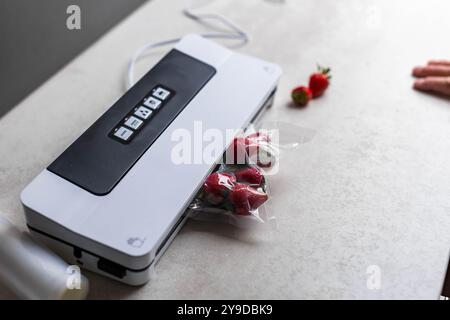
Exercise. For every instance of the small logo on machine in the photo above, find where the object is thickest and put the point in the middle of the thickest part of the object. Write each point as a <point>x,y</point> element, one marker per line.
<point>136,242</point>
<point>268,69</point>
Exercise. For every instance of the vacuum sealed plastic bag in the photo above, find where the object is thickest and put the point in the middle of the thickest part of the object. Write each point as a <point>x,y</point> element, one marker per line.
<point>234,194</point>
<point>237,192</point>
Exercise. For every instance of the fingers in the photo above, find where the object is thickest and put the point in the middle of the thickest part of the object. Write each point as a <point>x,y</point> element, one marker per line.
<point>438,70</point>
<point>439,62</point>
<point>434,77</point>
<point>434,84</point>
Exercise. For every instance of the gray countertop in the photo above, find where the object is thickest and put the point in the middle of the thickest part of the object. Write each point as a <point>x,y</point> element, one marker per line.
<point>371,189</point>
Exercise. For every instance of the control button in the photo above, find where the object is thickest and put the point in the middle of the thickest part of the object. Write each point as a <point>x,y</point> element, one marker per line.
<point>143,112</point>
<point>134,123</point>
<point>152,103</point>
<point>161,93</point>
<point>123,133</point>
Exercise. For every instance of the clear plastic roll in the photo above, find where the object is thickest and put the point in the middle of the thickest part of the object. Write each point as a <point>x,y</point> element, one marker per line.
<point>33,272</point>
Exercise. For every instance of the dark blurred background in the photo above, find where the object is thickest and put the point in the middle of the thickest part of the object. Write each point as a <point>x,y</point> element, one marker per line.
<point>35,42</point>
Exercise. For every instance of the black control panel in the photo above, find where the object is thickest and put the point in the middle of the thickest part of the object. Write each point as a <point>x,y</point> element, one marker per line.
<point>141,114</point>
<point>105,152</point>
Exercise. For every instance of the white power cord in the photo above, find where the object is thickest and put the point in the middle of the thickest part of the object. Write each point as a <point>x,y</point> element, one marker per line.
<point>234,33</point>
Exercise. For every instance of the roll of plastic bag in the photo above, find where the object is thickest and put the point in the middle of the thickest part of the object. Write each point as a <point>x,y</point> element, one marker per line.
<point>33,272</point>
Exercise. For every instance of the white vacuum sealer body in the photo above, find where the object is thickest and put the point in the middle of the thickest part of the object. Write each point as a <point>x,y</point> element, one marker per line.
<point>115,214</point>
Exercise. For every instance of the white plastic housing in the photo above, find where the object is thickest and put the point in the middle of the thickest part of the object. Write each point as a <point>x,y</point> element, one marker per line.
<point>147,203</point>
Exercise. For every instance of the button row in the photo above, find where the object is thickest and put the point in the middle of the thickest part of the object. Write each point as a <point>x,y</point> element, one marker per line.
<point>135,120</point>
<point>134,123</point>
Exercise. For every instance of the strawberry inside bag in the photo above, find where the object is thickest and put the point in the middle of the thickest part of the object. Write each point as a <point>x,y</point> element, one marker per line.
<point>233,194</point>
<point>237,191</point>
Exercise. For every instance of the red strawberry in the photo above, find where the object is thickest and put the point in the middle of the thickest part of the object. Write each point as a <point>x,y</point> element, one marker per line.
<point>241,148</point>
<point>301,95</point>
<point>217,186</point>
<point>258,149</point>
<point>250,175</point>
<point>319,81</point>
<point>246,199</point>
<point>264,158</point>
<point>237,152</point>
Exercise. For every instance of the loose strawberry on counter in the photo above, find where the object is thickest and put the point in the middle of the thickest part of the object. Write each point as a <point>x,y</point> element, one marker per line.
<point>319,81</point>
<point>217,186</point>
<point>301,95</point>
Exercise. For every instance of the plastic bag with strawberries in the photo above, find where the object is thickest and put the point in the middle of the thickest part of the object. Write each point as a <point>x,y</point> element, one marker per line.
<point>237,192</point>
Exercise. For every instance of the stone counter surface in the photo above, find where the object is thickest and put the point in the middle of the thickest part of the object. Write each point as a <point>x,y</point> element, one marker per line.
<point>371,189</point>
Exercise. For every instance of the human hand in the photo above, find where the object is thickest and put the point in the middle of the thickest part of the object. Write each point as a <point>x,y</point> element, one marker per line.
<point>434,77</point>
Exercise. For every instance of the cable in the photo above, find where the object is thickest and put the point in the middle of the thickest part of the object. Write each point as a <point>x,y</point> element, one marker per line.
<point>234,33</point>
